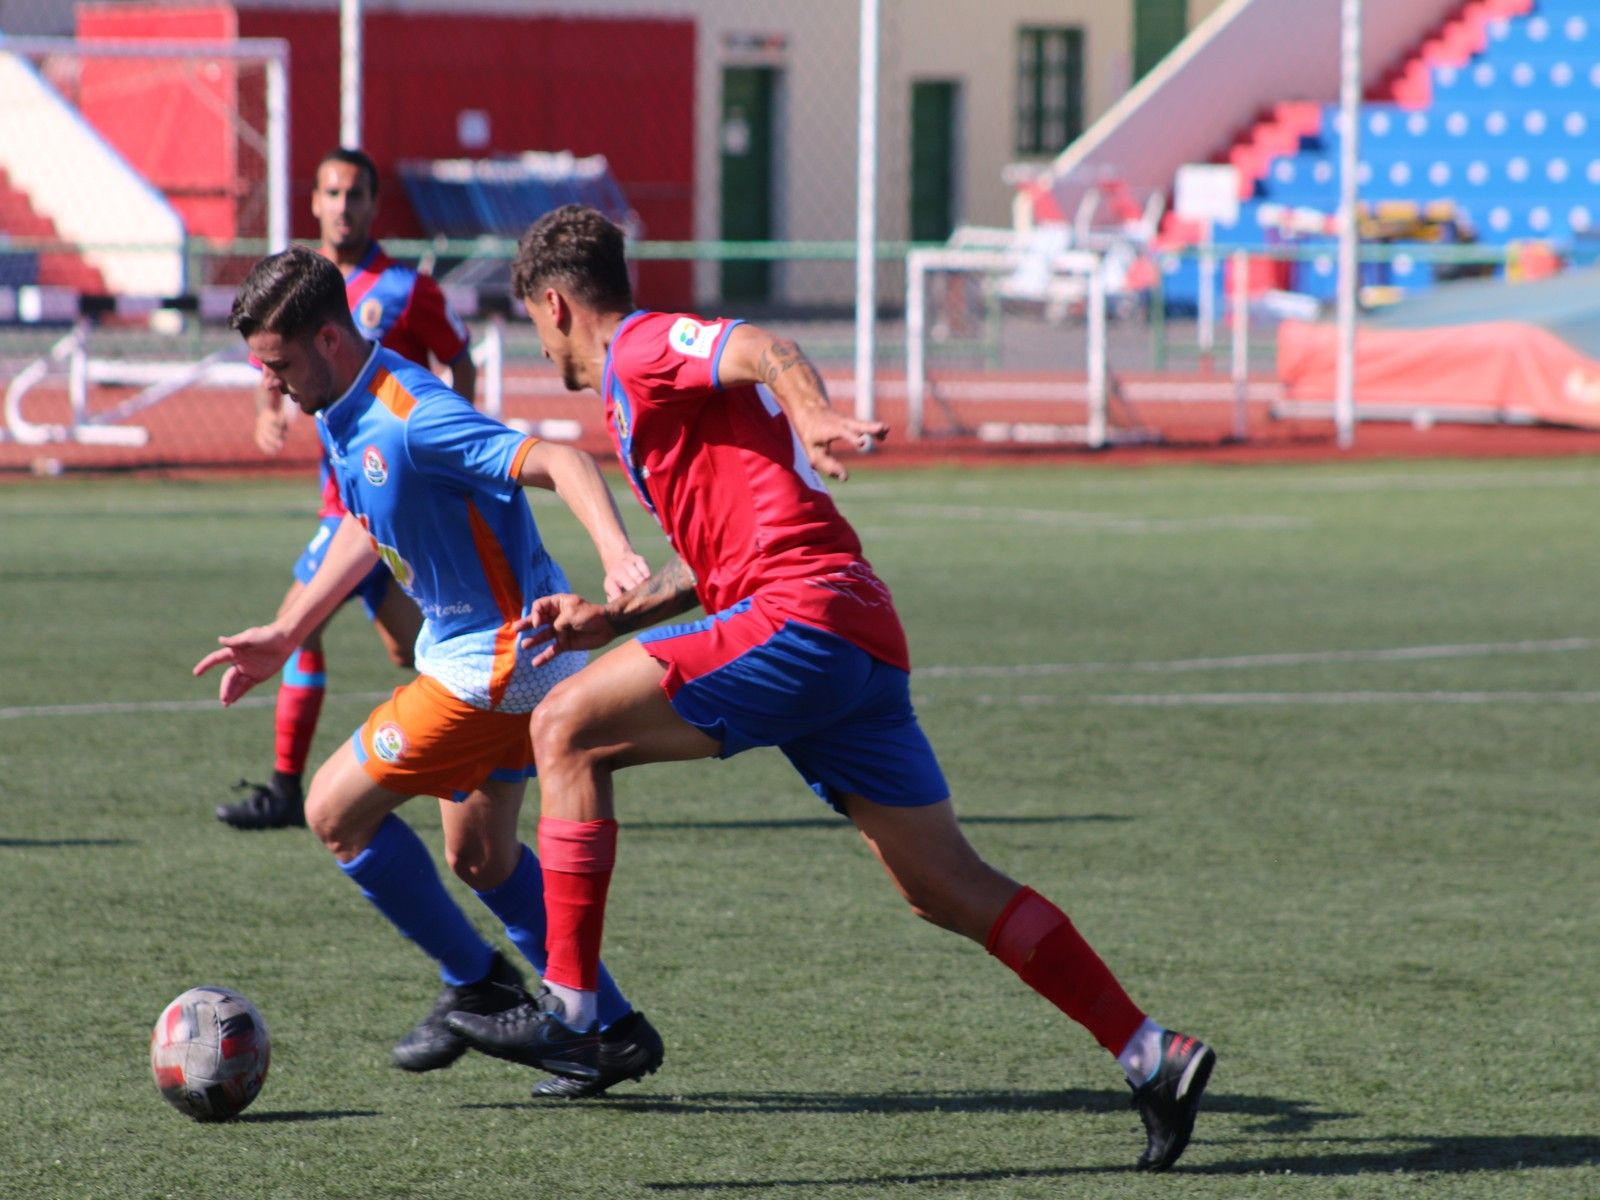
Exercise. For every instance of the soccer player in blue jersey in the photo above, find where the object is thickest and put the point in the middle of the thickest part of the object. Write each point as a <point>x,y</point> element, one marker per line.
<point>404,310</point>
<point>433,490</point>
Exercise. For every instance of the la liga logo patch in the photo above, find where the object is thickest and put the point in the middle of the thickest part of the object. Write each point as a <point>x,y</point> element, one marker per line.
<point>389,742</point>
<point>691,338</point>
<point>374,467</point>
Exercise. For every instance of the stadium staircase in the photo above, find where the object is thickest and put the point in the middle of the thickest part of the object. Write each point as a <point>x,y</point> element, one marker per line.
<point>91,197</point>
<point>51,268</point>
<point>1489,124</point>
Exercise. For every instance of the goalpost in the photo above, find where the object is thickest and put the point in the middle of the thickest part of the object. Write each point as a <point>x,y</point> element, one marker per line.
<point>131,153</point>
<point>1061,286</point>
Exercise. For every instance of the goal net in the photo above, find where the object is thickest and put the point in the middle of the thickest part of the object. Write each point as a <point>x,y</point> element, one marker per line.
<point>1007,342</point>
<point>139,179</point>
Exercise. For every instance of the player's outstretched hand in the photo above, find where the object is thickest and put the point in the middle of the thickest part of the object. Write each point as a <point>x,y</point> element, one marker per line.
<point>820,427</point>
<point>564,622</point>
<point>251,657</point>
<point>625,573</point>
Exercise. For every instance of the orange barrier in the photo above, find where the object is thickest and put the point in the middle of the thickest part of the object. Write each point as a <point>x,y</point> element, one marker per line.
<point>1498,370</point>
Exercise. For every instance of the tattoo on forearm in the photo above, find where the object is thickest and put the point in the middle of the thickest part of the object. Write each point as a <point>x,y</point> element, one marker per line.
<point>666,593</point>
<point>781,357</point>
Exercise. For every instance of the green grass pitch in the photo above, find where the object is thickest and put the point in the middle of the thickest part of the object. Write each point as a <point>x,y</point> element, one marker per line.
<point>1309,754</point>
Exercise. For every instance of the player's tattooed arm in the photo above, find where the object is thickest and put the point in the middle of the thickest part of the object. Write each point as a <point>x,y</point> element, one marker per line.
<point>666,593</point>
<point>556,624</point>
<point>783,358</point>
<point>752,355</point>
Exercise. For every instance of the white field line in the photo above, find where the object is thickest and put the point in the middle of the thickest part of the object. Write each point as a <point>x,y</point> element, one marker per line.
<point>1268,480</point>
<point>1238,662</point>
<point>111,708</point>
<point>1157,666</point>
<point>1277,699</point>
<point>1098,521</point>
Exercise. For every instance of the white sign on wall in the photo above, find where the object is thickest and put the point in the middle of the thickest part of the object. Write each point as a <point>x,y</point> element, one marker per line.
<point>1207,192</point>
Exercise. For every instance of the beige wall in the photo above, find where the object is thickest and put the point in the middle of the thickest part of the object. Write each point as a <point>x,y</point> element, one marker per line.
<point>962,40</point>
<point>968,41</point>
<point>976,44</point>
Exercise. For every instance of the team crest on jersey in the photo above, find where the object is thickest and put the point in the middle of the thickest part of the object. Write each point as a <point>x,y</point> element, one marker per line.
<point>373,466</point>
<point>370,312</point>
<point>689,337</point>
<point>389,742</point>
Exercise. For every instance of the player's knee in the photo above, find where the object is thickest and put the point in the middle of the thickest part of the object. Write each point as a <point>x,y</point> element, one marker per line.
<point>323,817</point>
<point>556,726</point>
<point>475,864</point>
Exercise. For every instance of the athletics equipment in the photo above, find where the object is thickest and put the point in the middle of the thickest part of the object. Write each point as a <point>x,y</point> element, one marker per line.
<point>209,1053</point>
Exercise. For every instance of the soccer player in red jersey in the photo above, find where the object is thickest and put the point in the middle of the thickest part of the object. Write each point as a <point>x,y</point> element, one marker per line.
<point>724,431</point>
<point>405,311</point>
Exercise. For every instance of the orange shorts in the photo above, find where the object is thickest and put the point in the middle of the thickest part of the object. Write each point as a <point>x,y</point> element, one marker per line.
<point>423,741</point>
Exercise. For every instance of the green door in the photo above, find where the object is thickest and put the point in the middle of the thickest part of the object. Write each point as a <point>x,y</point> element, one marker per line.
<point>747,174</point>
<point>1158,26</point>
<point>934,104</point>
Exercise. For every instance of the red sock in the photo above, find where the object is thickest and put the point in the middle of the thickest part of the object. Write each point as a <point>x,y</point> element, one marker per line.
<point>577,857</point>
<point>1036,940</point>
<point>304,683</point>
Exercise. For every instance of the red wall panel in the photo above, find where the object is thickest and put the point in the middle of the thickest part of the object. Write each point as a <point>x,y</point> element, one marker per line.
<point>169,118</point>
<point>619,87</point>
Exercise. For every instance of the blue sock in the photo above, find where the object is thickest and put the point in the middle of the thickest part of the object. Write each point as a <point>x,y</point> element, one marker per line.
<point>519,903</point>
<point>396,873</point>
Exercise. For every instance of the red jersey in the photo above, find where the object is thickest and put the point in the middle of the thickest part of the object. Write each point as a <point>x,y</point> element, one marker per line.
<point>404,310</point>
<point>731,486</point>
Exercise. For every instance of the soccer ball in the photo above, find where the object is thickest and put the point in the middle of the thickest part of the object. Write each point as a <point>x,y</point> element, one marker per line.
<point>209,1052</point>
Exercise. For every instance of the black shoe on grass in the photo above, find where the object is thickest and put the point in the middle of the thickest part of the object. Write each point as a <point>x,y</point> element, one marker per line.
<point>532,1034</point>
<point>276,805</point>
<point>629,1049</point>
<point>1167,1101</point>
<point>431,1045</point>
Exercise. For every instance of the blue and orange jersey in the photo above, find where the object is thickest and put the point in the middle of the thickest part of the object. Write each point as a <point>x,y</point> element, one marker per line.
<point>403,310</point>
<point>434,483</point>
<point>727,479</point>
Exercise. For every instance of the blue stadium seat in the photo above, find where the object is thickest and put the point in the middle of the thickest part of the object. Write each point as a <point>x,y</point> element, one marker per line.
<point>18,268</point>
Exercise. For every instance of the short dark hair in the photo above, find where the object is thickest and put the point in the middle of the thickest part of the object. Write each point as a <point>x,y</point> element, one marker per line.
<point>292,293</point>
<point>578,250</point>
<point>355,158</point>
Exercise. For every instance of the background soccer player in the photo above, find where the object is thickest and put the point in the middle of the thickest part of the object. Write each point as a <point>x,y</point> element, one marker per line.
<point>406,312</point>
<point>433,488</point>
<point>722,429</point>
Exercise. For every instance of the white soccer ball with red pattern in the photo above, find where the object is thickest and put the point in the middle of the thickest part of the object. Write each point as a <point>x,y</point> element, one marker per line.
<point>209,1052</point>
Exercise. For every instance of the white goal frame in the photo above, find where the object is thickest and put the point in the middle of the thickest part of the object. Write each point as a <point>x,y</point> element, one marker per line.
<point>273,53</point>
<point>1080,270</point>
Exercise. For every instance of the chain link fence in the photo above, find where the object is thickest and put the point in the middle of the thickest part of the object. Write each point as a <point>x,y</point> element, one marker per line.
<point>729,127</point>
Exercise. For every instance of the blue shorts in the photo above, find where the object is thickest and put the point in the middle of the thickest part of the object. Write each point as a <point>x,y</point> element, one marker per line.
<point>841,716</point>
<point>372,588</point>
